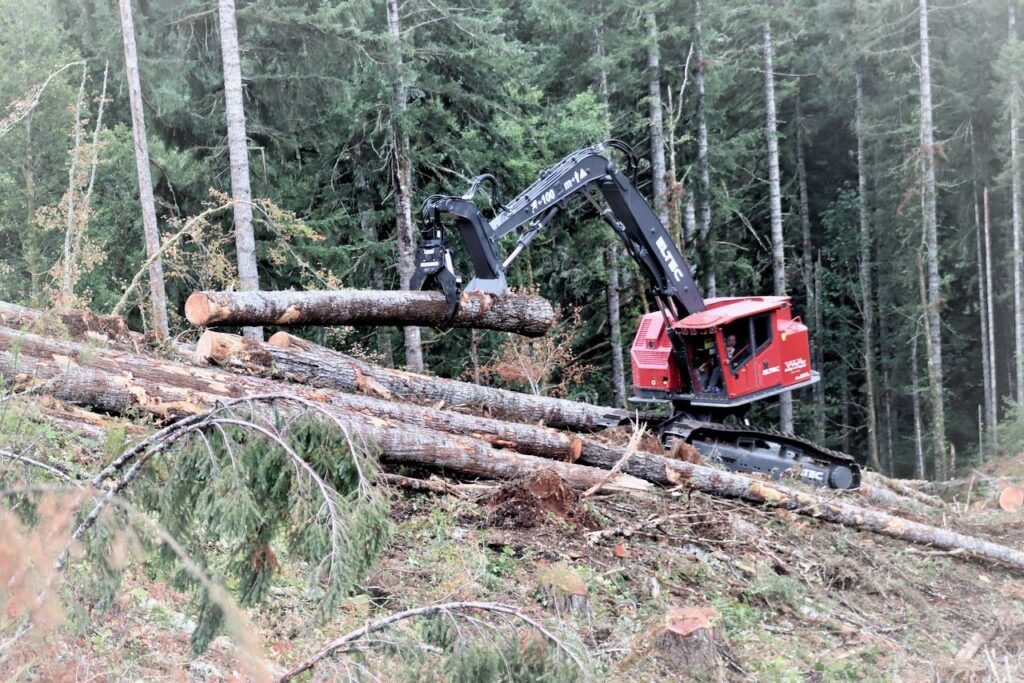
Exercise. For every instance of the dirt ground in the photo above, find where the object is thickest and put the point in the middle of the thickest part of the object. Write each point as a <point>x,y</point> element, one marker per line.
<point>791,598</point>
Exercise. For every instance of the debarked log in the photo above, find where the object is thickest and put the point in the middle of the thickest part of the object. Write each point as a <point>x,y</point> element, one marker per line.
<point>524,314</point>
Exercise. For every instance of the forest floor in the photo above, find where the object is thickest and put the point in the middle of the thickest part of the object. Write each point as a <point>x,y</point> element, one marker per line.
<point>795,599</point>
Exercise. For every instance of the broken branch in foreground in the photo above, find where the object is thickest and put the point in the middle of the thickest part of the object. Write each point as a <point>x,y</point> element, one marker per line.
<point>524,314</point>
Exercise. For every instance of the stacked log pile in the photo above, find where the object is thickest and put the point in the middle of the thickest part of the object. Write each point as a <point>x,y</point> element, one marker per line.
<point>462,429</point>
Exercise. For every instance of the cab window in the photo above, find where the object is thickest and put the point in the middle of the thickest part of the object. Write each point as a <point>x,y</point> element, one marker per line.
<point>762,325</point>
<point>737,342</point>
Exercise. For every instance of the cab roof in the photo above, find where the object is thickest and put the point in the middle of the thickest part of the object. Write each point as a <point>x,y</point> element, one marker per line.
<point>724,310</point>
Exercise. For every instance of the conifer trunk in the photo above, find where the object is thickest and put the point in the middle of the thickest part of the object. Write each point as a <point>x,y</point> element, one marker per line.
<point>775,201</point>
<point>369,228</point>
<point>615,326</point>
<point>656,123</point>
<point>866,289</point>
<point>818,353</point>
<point>403,181</point>
<point>238,154</point>
<point>986,352</point>
<point>931,239</point>
<point>708,255</point>
<point>157,294</point>
<point>1018,228</point>
<point>807,261</point>
<point>994,398</point>
<point>921,471</point>
<point>613,288</point>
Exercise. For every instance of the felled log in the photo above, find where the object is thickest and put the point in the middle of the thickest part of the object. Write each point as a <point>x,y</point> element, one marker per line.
<point>669,472</point>
<point>120,382</point>
<point>288,357</point>
<point>77,324</point>
<point>523,314</point>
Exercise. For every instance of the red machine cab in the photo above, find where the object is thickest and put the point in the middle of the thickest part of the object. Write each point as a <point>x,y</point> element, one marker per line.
<point>739,350</point>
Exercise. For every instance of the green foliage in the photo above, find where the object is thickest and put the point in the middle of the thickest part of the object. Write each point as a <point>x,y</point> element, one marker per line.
<point>235,500</point>
<point>491,656</point>
<point>508,89</point>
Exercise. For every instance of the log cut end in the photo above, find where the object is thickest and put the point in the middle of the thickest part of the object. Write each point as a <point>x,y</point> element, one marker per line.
<point>283,340</point>
<point>197,309</point>
<point>687,642</point>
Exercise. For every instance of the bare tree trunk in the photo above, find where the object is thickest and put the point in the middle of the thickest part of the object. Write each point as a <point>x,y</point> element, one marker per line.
<point>994,398</point>
<point>775,200</point>
<point>1018,250</point>
<point>369,228</point>
<point>915,396</point>
<point>158,297</point>
<point>238,153</point>
<point>866,289</point>
<point>67,289</point>
<point>931,238</point>
<point>612,252</point>
<point>615,326</point>
<point>818,353</point>
<point>988,422</point>
<point>656,120</point>
<point>844,412</point>
<point>94,163</point>
<point>403,182</point>
<point>708,257</point>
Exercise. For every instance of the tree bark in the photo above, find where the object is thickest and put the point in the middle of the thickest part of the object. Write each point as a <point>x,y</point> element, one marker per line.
<point>818,352</point>
<point>809,274</point>
<point>612,252</point>
<point>405,228</point>
<point>931,239</point>
<point>1018,221</point>
<point>988,377</point>
<point>157,294</point>
<point>369,228</point>
<point>528,315</point>
<point>866,288</point>
<point>307,362</point>
<point>117,382</point>
<point>775,202</point>
<point>656,124</point>
<point>238,153</point>
<point>708,257</point>
<point>921,471</point>
<point>994,399</point>
<point>615,326</point>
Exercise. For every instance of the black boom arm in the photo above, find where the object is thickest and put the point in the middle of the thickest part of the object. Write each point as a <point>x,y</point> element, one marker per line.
<point>627,212</point>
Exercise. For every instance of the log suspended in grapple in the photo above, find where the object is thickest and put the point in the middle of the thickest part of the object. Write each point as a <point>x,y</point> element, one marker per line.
<point>708,360</point>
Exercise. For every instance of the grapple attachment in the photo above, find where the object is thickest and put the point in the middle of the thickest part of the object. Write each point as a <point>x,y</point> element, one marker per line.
<point>434,267</point>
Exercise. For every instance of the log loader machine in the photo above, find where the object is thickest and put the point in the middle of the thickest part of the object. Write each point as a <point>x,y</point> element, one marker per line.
<point>708,360</point>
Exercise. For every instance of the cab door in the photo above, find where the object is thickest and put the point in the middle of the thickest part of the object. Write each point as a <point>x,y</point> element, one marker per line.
<point>767,354</point>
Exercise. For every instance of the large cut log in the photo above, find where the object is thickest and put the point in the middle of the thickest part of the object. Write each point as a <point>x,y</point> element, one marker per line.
<point>523,314</point>
<point>120,382</point>
<point>77,324</point>
<point>666,471</point>
<point>288,357</point>
<point>117,381</point>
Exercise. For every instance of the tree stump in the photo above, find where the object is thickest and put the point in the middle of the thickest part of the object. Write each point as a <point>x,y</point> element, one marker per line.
<point>687,643</point>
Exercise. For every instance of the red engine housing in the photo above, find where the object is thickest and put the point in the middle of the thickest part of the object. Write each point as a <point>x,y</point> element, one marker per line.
<point>771,353</point>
